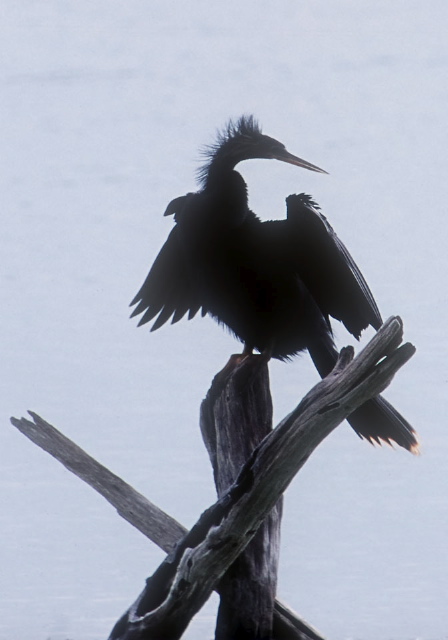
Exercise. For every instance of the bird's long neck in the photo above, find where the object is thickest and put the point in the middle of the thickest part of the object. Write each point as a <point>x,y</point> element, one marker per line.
<point>229,193</point>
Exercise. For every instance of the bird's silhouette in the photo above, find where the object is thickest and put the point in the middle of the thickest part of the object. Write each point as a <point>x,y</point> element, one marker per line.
<point>274,284</point>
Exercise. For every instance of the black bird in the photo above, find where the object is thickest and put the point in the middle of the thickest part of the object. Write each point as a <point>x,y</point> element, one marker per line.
<point>274,284</point>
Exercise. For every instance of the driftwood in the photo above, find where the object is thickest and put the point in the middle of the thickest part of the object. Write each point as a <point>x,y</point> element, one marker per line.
<point>131,505</point>
<point>197,565</point>
<point>235,417</point>
<point>183,583</point>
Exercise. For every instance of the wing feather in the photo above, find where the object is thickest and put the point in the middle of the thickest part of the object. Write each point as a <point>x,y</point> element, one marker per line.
<point>168,290</point>
<point>327,268</point>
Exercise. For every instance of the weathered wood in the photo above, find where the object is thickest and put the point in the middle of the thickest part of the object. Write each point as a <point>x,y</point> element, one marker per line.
<point>235,416</point>
<point>154,523</point>
<point>299,433</point>
<point>183,583</point>
<point>131,505</point>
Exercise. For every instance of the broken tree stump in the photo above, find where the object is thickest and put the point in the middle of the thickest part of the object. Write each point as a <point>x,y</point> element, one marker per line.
<point>235,417</point>
<point>150,520</point>
<point>199,562</point>
<point>184,581</point>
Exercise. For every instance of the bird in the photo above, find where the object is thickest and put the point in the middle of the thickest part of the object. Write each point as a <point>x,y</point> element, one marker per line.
<point>274,284</point>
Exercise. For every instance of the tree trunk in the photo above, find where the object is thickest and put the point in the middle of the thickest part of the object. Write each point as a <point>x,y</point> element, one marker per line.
<point>235,417</point>
<point>197,564</point>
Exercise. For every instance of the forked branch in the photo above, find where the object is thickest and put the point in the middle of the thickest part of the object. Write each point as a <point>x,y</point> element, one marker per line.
<point>196,564</point>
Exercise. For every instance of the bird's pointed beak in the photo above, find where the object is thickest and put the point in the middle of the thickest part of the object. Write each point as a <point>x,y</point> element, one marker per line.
<point>285,156</point>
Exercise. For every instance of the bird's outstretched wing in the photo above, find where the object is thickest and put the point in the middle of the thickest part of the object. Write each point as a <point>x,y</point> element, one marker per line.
<point>327,269</point>
<point>168,291</point>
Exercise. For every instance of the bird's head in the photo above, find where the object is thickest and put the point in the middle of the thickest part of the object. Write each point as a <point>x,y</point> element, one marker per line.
<point>244,140</point>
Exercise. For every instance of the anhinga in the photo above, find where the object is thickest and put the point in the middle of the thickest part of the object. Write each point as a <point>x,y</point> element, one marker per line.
<point>274,284</point>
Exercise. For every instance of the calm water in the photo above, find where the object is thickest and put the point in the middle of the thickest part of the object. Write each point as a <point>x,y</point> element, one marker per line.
<point>104,106</point>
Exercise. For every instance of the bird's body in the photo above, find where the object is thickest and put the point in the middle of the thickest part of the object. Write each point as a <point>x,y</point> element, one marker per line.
<point>247,279</point>
<point>274,284</point>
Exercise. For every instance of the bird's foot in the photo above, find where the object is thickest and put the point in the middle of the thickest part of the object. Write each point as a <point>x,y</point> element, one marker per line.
<point>245,366</point>
<point>234,361</point>
<point>266,354</point>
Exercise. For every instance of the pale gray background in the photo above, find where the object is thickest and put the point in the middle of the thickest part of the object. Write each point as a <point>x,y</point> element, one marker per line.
<point>104,105</point>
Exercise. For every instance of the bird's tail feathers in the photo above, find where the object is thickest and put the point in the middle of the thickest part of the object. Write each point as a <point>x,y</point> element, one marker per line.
<point>376,420</point>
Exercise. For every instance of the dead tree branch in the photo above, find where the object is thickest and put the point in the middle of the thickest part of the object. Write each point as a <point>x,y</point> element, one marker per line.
<point>185,580</point>
<point>149,519</point>
<point>131,505</point>
<point>235,417</point>
<point>196,565</point>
